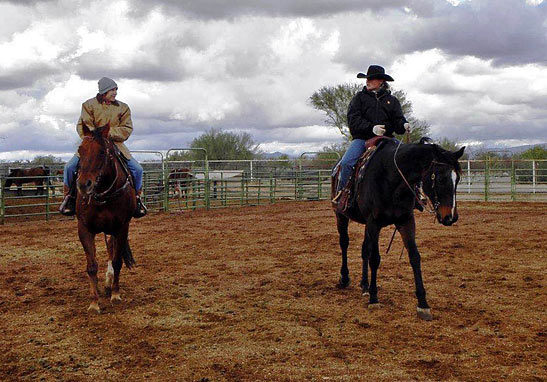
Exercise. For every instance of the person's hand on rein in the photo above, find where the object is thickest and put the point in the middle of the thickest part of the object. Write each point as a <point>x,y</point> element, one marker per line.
<point>379,129</point>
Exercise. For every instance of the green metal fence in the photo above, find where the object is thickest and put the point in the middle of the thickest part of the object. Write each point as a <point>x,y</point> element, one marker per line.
<point>503,180</point>
<point>219,184</point>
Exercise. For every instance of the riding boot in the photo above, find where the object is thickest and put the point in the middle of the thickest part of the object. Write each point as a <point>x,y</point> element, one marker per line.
<point>68,206</point>
<point>141,209</point>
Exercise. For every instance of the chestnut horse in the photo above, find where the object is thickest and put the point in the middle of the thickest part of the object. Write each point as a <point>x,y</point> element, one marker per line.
<point>105,203</point>
<point>20,176</point>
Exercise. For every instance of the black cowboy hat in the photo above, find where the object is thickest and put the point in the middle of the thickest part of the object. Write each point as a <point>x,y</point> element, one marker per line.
<point>376,72</point>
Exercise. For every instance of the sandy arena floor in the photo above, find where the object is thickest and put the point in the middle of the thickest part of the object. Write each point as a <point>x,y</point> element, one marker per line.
<point>249,295</point>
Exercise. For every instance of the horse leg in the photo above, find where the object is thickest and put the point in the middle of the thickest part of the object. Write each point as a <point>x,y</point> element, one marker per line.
<point>39,188</point>
<point>109,276</point>
<point>365,258</point>
<point>372,233</point>
<point>120,245</point>
<point>19,189</point>
<point>342,223</point>
<point>88,243</point>
<point>408,231</point>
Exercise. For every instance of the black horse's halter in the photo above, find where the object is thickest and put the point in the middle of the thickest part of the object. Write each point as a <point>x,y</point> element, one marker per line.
<point>435,202</point>
<point>425,206</point>
<point>103,197</point>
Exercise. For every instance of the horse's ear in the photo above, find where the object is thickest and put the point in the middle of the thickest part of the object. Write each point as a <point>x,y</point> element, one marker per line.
<point>85,130</point>
<point>425,141</point>
<point>105,130</point>
<point>458,154</point>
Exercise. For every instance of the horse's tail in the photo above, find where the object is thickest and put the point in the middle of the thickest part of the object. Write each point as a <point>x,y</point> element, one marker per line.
<point>127,255</point>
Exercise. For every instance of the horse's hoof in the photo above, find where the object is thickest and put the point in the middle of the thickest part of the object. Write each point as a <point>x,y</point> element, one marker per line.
<point>94,308</point>
<point>424,314</point>
<point>374,306</point>
<point>342,284</point>
<point>115,299</point>
<point>366,293</point>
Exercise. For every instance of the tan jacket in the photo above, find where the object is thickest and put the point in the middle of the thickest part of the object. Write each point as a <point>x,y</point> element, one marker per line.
<point>96,114</point>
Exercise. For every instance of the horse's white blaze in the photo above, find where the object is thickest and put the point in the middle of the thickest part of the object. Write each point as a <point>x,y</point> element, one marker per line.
<point>109,275</point>
<point>454,179</point>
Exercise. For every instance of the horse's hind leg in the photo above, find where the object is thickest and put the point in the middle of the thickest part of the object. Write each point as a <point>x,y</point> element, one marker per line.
<point>109,276</point>
<point>365,258</point>
<point>120,245</point>
<point>88,242</point>
<point>372,233</point>
<point>342,223</point>
<point>39,188</point>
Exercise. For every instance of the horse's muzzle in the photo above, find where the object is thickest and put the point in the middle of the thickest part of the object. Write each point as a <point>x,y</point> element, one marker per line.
<point>86,187</point>
<point>445,217</point>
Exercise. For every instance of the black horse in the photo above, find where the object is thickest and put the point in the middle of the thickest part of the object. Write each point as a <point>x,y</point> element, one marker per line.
<point>386,196</point>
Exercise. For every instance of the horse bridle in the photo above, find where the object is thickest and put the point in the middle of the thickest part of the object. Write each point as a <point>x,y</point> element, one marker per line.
<point>434,203</point>
<point>103,197</point>
<point>431,167</point>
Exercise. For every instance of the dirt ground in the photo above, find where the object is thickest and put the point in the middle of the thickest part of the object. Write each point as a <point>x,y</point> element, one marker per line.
<point>248,294</point>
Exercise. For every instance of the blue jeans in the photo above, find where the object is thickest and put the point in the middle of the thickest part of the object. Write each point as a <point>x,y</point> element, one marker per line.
<point>350,158</point>
<point>72,165</point>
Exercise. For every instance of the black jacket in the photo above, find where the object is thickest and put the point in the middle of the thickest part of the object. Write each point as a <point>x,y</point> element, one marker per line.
<point>368,109</point>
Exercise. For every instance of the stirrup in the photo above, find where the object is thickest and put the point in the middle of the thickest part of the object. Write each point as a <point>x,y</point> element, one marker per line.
<point>335,199</point>
<point>68,206</point>
<point>140,209</point>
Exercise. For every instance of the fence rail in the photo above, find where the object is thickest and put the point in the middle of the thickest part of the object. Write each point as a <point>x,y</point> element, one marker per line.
<point>219,184</point>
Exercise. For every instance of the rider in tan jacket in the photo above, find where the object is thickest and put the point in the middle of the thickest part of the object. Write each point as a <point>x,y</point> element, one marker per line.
<point>96,112</point>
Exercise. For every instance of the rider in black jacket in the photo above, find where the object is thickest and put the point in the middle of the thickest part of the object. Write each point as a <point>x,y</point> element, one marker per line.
<point>370,108</point>
<point>372,112</point>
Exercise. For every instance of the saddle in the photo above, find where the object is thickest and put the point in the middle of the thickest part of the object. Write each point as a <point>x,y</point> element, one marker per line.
<point>123,161</point>
<point>345,202</point>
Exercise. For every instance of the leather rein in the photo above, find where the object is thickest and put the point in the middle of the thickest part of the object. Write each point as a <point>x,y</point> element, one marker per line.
<point>109,194</point>
<point>435,203</point>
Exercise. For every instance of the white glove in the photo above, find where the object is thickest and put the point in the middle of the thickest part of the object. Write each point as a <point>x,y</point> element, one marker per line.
<point>407,127</point>
<point>379,129</point>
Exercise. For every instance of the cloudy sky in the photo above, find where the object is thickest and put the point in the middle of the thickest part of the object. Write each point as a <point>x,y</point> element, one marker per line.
<point>476,70</point>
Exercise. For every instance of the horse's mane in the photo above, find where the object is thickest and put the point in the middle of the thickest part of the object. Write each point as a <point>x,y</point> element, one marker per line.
<point>97,134</point>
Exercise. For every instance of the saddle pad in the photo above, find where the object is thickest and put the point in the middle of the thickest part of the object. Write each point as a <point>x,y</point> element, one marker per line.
<point>365,159</point>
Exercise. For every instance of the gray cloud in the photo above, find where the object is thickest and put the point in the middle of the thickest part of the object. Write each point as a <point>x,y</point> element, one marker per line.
<point>27,2</point>
<point>506,31</point>
<point>194,65</point>
<point>26,76</point>
<point>220,9</point>
<point>90,67</point>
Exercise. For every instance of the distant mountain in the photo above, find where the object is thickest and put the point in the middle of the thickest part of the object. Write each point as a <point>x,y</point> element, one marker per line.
<point>520,149</point>
<point>514,150</point>
<point>275,155</point>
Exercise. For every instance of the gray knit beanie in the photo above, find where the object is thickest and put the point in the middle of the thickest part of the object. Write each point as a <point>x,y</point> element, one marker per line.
<point>106,84</point>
